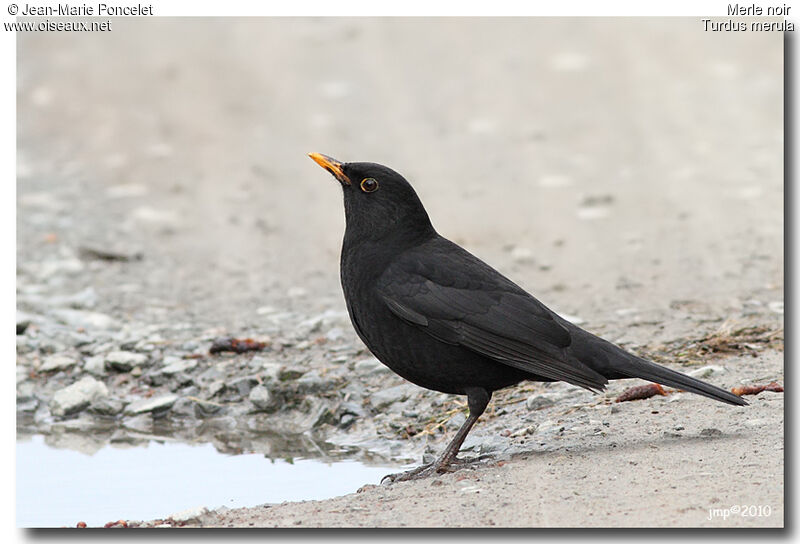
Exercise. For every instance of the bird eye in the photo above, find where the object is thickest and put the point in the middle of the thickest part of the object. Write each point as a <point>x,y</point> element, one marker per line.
<point>369,185</point>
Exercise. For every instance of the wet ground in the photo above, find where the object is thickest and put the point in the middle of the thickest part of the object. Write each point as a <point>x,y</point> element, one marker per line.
<point>165,201</point>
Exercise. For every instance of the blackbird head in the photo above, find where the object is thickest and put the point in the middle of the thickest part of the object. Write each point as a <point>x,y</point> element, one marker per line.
<point>378,202</point>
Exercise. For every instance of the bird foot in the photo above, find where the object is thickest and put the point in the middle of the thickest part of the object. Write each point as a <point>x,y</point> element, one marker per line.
<point>424,471</point>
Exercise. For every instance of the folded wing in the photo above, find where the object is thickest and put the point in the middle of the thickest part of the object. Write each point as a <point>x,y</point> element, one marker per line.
<point>483,311</point>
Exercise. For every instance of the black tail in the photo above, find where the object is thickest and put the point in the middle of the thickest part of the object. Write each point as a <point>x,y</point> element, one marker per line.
<point>614,362</point>
<point>636,367</point>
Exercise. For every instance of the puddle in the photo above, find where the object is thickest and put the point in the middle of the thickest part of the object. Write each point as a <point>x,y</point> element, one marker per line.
<point>59,487</point>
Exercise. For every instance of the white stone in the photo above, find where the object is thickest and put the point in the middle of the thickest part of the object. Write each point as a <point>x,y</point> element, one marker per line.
<point>189,514</point>
<point>56,362</point>
<point>706,371</point>
<point>77,396</point>
<point>151,405</point>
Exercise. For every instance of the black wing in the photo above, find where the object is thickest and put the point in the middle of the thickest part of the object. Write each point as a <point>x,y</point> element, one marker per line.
<point>457,298</point>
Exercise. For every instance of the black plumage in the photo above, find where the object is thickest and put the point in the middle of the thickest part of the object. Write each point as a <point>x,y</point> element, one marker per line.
<point>443,319</point>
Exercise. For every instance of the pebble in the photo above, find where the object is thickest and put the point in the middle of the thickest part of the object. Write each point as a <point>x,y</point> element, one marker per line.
<point>76,397</point>
<point>174,365</point>
<point>549,427</point>
<point>522,255</point>
<point>776,306</point>
<point>313,382</point>
<point>243,385</point>
<point>334,334</point>
<point>23,321</point>
<point>204,408</point>
<point>290,373</point>
<point>106,407</point>
<point>481,444</point>
<point>215,388</point>
<point>85,319</point>
<point>370,367</point>
<point>262,399</point>
<point>537,402</point>
<point>296,292</point>
<point>456,421</point>
<point>385,397</point>
<point>185,516</point>
<point>156,404</point>
<point>95,365</point>
<point>155,217</point>
<point>270,371</point>
<point>80,300</point>
<point>53,363</point>
<point>706,371</point>
<point>524,431</point>
<point>124,361</point>
<point>756,422</point>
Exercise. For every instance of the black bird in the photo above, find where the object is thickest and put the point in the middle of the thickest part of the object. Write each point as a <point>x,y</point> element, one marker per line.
<point>443,319</point>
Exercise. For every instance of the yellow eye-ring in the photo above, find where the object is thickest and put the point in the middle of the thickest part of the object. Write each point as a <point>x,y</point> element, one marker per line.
<point>369,185</point>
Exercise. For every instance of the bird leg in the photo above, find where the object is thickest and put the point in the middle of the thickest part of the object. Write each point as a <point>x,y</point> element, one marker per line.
<point>477,400</point>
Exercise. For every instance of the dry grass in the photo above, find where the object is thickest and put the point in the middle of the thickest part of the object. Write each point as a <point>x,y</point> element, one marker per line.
<point>731,338</point>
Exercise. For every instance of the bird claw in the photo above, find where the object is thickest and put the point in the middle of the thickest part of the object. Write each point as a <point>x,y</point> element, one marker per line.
<point>424,471</point>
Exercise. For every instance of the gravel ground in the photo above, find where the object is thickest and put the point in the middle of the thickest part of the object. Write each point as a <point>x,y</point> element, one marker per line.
<point>165,202</point>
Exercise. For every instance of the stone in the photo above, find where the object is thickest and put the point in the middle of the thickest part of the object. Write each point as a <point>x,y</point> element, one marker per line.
<point>206,408</point>
<point>522,255</point>
<point>289,373</point>
<point>53,363</point>
<point>384,398</point>
<point>243,385</point>
<point>23,322</point>
<point>296,292</point>
<point>215,388</point>
<point>74,398</point>
<point>124,361</point>
<point>85,319</point>
<point>80,300</point>
<point>313,382</point>
<point>336,333</point>
<point>106,407</point>
<point>191,514</point>
<point>706,371</point>
<point>537,402</point>
<point>370,367</point>
<point>456,421</point>
<point>95,365</point>
<point>262,399</point>
<point>269,371</point>
<point>156,404</point>
<point>174,365</point>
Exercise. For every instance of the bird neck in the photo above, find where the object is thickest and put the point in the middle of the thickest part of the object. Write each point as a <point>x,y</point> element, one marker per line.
<point>400,234</point>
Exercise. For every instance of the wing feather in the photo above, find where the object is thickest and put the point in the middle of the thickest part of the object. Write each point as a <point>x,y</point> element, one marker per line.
<point>483,311</point>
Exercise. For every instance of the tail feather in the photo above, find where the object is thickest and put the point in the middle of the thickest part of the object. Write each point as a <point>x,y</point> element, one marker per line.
<point>613,362</point>
<point>637,367</point>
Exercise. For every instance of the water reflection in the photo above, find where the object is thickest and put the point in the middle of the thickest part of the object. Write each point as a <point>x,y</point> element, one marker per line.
<point>100,479</point>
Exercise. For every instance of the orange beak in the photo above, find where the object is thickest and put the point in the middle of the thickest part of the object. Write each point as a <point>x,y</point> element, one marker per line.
<point>331,165</point>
